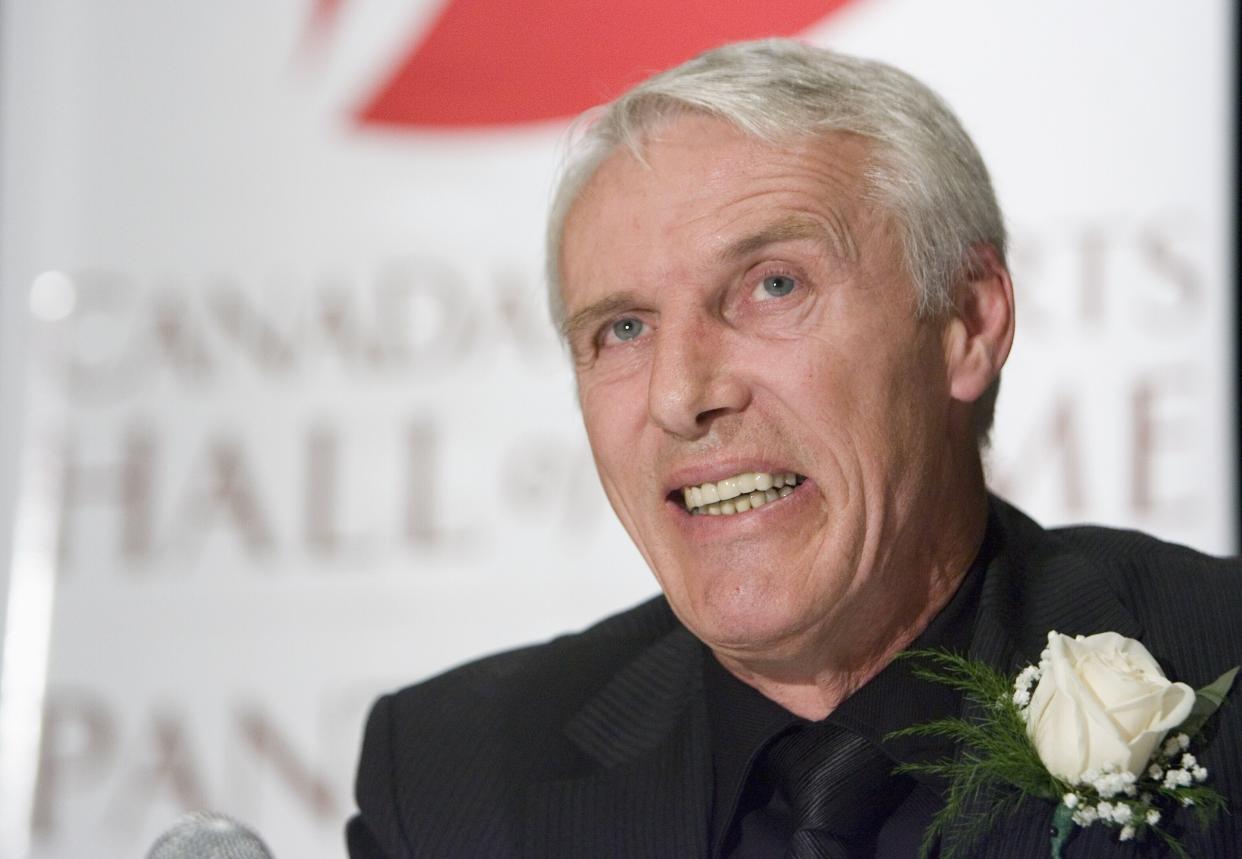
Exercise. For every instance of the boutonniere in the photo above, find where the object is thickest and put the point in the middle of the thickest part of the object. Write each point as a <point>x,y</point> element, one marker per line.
<point>1095,728</point>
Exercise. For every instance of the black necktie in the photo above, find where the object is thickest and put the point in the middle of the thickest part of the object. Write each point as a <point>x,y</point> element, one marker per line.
<point>839,786</point>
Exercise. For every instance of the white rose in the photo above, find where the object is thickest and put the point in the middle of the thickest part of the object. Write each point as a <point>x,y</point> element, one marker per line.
<point>1102,701</point>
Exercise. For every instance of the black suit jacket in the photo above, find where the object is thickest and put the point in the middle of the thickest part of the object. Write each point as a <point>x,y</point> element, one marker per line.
<point>596,744</point>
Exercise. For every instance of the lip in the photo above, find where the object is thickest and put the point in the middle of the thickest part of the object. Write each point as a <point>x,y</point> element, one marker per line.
<point>718,469</point>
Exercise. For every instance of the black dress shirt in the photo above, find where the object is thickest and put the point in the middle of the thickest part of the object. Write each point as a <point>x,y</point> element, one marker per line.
<point>749,818</point>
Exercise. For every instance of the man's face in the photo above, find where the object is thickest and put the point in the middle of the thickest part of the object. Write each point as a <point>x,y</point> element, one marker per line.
<point>737,308</point>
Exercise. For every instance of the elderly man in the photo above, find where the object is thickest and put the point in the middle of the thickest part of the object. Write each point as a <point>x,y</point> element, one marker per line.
<point>781,275</point>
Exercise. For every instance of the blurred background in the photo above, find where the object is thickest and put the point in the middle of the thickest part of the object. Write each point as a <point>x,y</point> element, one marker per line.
<point>283,424</point>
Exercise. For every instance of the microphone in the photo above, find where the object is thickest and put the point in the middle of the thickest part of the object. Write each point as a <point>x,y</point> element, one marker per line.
<point>207,835</point>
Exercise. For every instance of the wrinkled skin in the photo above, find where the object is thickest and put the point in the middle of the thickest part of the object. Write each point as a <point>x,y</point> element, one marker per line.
<point>734,305</point>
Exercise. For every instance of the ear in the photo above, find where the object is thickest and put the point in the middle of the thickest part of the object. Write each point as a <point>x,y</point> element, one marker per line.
<point>979,334</point>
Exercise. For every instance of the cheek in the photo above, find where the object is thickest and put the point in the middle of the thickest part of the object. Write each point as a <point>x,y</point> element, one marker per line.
<point>825,389</point>
<point>604,439</point>
<point>858,410</point>
<point>614,415</point>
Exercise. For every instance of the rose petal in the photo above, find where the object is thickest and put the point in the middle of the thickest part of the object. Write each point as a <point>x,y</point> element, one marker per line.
<point>1102,701</point>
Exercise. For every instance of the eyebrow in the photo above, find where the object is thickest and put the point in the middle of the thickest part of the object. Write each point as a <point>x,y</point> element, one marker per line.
<point>591,315</point>
<point>793,228</point>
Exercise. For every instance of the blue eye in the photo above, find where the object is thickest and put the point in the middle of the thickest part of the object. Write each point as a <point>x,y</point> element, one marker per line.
<point>627,329</point>
<point>778,285</point>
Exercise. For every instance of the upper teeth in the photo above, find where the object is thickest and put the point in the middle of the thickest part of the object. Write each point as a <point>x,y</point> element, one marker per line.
<point>750,489</point>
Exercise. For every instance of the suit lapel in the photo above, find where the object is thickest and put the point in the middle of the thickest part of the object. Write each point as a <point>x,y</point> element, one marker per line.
<point>648,791</point>
<point>1036,584</point>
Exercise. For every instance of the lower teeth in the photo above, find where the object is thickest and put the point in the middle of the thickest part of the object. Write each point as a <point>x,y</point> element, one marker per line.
<point>743,503</point>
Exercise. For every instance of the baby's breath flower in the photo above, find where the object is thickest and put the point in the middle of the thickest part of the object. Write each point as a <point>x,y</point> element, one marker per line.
<point>1200,773</point>
<point>1085,816</point>
<point>1153,817</point>
<point>1177,778</point>
<point>1154,771</point>
<point>1188,761</point>
<point>1112,782</point>
<point>1126,833</point>
<point>1070,800</point>
<point>1026,679</point>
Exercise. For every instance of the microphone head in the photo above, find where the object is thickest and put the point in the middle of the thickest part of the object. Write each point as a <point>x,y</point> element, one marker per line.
<point>207,835</point>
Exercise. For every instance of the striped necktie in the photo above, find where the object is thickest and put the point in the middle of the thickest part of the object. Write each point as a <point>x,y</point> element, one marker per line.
<point>839,786</point>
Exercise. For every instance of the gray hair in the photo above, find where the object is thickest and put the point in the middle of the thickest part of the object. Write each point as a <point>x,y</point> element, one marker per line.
<point>923,167</point>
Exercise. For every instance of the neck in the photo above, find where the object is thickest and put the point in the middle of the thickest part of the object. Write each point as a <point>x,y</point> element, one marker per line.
<point>890,614</point>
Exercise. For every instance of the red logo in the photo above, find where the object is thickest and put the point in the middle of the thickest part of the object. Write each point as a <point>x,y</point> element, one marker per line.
<point>503,62</point>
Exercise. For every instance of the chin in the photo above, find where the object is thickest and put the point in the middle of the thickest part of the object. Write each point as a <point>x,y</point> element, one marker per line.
<point>742,619</point>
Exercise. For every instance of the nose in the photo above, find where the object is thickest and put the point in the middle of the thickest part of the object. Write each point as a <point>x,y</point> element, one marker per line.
<point>693,381</point>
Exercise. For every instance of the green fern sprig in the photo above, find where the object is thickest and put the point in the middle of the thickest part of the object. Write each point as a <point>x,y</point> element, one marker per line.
<point>996,752</point>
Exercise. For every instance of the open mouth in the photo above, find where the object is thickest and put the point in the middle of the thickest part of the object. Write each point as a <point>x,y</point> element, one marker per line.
<point>740,493</point>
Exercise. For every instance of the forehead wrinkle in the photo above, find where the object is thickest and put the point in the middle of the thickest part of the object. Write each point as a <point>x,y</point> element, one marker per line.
<point>832,232</point>
<point>809,181</point>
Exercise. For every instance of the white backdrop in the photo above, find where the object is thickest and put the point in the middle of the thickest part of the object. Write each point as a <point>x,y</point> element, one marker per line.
<point>311,437</point>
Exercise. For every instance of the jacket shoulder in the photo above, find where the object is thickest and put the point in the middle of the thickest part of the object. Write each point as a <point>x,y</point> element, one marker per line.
<point>1179,601</point>
<point>565,671</point>
<point>1141,570</point>
<point>1185,600</point>
<point>458,747</point>
<point>1146,570</point>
